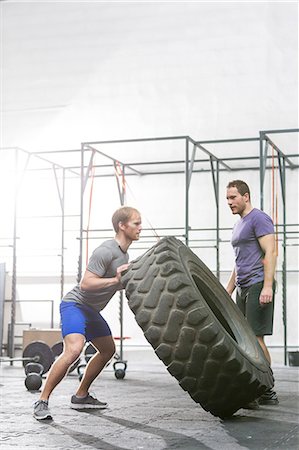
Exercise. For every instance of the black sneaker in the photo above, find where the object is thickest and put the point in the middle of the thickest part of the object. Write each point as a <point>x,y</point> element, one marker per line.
<point>41,410</point>
<point>268,398</point>
<point>87,402</point>
<point>252,405</point>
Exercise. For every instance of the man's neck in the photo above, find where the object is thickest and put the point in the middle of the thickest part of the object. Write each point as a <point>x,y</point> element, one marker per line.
<point>247,210</point>
<point>123,242</point>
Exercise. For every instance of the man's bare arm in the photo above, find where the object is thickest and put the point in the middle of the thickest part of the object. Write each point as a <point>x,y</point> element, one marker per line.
<point>231,285</point>
<point>267,244</point>
<point>93,282</point>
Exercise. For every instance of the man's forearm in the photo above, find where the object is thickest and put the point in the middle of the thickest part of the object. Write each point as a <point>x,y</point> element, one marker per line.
<point>266,295</point>
<point>267,244</point>
<point>96,283</point>
<point>269,269</point>
<point>231,285</point>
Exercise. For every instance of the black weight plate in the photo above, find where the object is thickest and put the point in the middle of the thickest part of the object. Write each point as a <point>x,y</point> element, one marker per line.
<point>42,351</point>
<point>57,348</point>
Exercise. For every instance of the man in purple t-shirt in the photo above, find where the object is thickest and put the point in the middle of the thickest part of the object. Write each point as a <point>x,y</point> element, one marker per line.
<point>253,242</point>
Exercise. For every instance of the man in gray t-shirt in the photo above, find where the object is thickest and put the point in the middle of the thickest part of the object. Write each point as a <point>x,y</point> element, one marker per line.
<point>103,262</point>
<point>254,245</point>
<point>81,319</point>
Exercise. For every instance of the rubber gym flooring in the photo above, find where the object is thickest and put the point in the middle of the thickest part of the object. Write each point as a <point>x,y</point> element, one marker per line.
<point>147,410</point>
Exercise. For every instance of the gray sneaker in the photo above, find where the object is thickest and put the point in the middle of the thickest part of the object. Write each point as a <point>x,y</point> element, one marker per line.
<point>87,402</point>
<point>41,410</point>
<point>269,398</point>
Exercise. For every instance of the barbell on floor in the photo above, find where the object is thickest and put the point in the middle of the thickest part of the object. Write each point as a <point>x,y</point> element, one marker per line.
<point>38,357</point>
<point>39,352</point>
<point>35,352</point>
<point>42,358</point>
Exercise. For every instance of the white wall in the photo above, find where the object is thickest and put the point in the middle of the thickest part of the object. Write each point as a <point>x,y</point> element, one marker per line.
<point>81,71</point>
<point>84,71</point>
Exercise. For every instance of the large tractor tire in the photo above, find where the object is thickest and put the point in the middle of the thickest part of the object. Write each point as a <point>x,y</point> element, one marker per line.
<point>196,329</point>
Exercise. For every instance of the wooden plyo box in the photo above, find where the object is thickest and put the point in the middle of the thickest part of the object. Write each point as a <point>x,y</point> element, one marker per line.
<point>49,336</point>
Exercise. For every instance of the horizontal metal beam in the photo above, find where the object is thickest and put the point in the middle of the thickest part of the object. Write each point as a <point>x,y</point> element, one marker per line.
<point>290,130</point>
<point>37,155</point>
<point>132,166</point>
<point>155,163</point>
<point>124,141</point>
<point>223,141</point>
<point>57,151</point>
<point>173,172</point>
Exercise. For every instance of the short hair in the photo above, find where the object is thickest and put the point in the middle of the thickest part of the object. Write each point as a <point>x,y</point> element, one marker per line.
<point>241,186</point>
<point>123,215</point>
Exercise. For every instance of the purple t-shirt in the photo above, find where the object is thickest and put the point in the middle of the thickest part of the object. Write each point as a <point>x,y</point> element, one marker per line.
<point>248,253</point>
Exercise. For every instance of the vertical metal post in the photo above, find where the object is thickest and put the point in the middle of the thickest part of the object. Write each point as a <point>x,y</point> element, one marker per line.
<point>2,300</point>
<point>216,193</point>
<point>14,265</point>
<point>122,194</point>
<point>52,313</point>
<point>61,195</point>
<point>84,180</point>
<point>217,222</point>
<point>79,276</point>
<point>62,234</point>
<point>121,322</point>
<point>284,268</point>
<point>261,170</point>
<point>187,192</point>
<point>282,172</point>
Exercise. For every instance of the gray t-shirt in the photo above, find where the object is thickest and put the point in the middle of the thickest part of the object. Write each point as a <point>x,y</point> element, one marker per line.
<point>104,261</point>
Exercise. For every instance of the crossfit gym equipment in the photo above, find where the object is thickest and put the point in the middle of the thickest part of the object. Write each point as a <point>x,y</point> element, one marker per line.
<point>196,329</point>
<point>40,352</point>
<point>57,349</point>
<point>35,352</point>
<point>33,380</point>
<point>120,372</point>
<point>37,359</point>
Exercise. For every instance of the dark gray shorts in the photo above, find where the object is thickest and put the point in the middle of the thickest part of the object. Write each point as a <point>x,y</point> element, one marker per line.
<point>260,318</point>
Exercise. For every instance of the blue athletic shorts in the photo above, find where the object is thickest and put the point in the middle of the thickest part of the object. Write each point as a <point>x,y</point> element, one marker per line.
<point>82,319</point>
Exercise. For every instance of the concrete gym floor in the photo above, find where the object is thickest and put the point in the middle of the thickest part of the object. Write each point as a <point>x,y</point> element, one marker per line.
<point>147,410</point>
